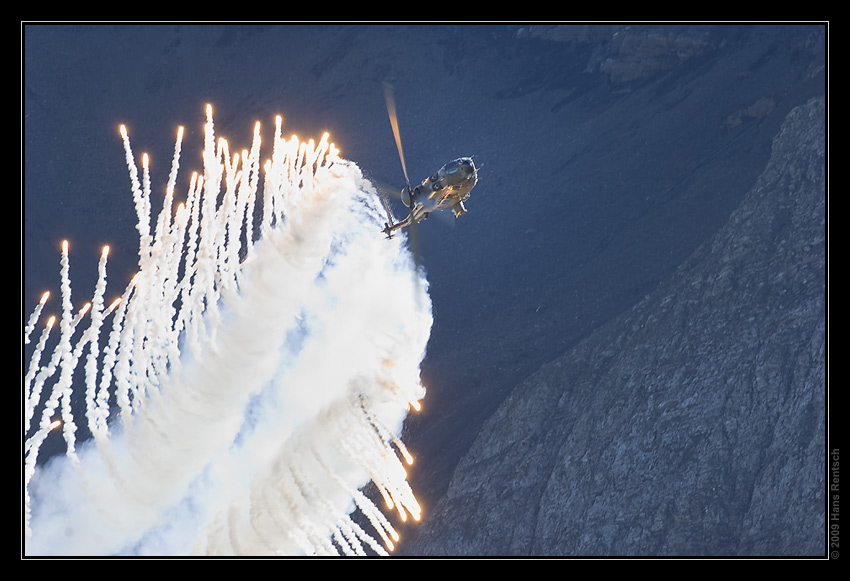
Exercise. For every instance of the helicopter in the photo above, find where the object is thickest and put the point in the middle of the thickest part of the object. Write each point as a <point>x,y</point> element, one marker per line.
<point>447,189</point>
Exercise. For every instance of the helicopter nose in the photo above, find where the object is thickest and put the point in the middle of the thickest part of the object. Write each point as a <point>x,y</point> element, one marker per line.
<point>467,166</point>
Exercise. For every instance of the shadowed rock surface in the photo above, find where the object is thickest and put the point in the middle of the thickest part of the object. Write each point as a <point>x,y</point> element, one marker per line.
<point>693,424</point>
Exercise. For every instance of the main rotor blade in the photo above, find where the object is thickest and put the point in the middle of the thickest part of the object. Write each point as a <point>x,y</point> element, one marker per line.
<point>389,96</point>
<point>413,227</point>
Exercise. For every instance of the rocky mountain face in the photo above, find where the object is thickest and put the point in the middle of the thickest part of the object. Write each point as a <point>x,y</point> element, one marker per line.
<point>626,148</point>
<point>692,424</point>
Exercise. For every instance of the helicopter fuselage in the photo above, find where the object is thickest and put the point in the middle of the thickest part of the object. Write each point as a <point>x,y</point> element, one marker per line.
<point>447,189</point>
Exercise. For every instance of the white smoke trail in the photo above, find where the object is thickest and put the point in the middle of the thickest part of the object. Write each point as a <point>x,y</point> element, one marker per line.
<point>255,397</point>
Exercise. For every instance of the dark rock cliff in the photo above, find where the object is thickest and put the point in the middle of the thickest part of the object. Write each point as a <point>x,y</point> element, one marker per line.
<point>694,423</point>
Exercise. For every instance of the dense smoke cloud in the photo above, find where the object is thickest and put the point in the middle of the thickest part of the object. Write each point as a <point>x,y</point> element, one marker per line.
<point>249,383</point>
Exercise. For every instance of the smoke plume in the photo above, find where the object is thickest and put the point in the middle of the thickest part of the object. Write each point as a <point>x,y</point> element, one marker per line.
<point>252,379</point>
